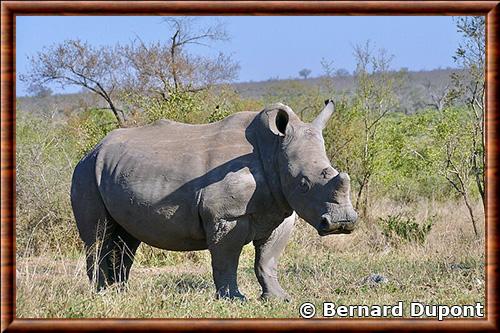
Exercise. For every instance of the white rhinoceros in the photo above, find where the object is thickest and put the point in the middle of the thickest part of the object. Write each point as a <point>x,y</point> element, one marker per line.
<point>218,186</point>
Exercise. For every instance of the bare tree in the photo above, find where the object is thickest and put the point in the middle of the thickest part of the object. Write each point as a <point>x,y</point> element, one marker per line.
<point>465,148</point>
<point>161,68</point>
<point>76,63</point>
<point>457,172</point>
<point>438,94</point>
<point>469,87</point>
<point>342,72</point>
<point>472,55</point>
<point>328,69</point>
<point>374,99</point>
<point>40,91</point>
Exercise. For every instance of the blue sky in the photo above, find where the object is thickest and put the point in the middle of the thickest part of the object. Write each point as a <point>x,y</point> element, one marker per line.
<point>265,47</point>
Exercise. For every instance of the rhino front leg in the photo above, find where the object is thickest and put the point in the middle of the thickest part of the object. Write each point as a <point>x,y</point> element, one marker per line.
<point>267,253</point>
<point>226,244</point>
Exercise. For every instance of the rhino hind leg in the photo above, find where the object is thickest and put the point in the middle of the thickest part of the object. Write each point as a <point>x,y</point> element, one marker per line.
<point>122,255</point>
<point>109,248</point>
<point>98,250</point>
<point>267,253</point>
<point>110,254</point>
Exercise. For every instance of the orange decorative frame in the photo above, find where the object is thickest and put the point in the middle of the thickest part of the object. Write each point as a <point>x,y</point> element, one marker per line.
<point>11,9</point>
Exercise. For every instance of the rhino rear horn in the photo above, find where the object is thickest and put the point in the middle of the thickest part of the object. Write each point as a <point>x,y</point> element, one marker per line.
<point>324,115</point>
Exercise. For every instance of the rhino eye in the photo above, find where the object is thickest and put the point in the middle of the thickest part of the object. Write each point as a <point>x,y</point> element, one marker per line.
<point>305,185</point>
<point>327,173</point>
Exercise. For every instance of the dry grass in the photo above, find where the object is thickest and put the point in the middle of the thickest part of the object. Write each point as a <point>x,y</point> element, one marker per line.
<point>447,269</point>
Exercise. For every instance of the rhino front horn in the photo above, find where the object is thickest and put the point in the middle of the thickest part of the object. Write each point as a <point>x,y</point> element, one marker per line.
<point>324,115</point>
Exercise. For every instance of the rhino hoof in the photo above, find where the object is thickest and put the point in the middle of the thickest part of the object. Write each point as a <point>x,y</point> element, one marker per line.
<point>238,297</point>
<point>231,296</point>
<point>278,296</point>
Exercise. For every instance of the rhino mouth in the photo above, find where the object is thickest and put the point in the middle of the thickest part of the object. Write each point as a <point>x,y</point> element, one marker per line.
<point>340,227</point>
<point>335,232</point>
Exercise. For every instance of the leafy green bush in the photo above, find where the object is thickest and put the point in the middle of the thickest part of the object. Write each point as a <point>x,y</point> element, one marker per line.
<point>93,126</point>
<point>179,106</point>
<point>343,138</point>
<point>398,227</point>
<point>458,141</point>
<point>226,101</point>
<point>218,114</point>
<point>45,158</point>
<point>409,158</point>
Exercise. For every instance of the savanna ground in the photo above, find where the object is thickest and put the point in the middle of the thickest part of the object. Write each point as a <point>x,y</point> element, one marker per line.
<point>448,268</point>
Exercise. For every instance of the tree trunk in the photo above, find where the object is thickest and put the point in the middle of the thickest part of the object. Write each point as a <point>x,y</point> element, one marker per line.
<point>462,190</point>
<point>362,198</point>
<point>172,59</point>
<point>103,93</point>
<point>115,112</point>
<point>366,200</point>
<point>358,198</point>
<point>480,187</point>
<point>477,148</point>
<point>366,175</point>
<point>465,195</point>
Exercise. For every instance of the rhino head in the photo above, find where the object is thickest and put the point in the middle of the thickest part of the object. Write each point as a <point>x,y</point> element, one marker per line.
<point>312,187</point>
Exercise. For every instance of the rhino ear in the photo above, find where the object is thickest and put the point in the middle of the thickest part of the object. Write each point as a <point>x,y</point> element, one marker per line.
<point>278,120</point>
<point>322,119</point>
<point>281,121</point>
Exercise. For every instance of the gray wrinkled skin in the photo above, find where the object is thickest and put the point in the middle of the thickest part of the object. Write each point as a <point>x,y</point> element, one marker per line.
<point>219,186</point>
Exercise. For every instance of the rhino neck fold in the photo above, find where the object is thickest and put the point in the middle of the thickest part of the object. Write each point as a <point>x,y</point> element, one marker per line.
<point>268,150</point>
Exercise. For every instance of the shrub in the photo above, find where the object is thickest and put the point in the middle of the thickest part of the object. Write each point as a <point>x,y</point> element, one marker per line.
<point>226,101</point>
<point>398,227</point>
<point>218,114</point>
<point>179,106</point>
<point>92,126</point>
<point>45,158</point>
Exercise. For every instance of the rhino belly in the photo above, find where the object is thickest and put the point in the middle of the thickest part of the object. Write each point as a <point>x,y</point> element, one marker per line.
<point>159,213</point>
